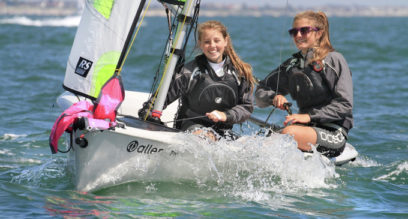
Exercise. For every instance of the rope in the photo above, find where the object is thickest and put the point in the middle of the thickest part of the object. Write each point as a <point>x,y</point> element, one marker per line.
<point>168,63</point>
<point>280,61</point>
<point>165,51</point>
<point>191,118</point>
<point>134,38</point>
<point>280,49</point>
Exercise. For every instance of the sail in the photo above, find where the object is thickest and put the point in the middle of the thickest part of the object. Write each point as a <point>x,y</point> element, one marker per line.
<point>98,44</point>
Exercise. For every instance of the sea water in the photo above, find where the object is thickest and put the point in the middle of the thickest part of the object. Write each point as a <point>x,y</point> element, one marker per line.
<point>255,176</point>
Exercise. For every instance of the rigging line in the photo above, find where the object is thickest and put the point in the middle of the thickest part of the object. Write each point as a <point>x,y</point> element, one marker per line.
<point>190,118</point>
<point>280,60</point>
<point>267,118</point>
<point>168,60</point>
<point>194,26</point>
<point>281,48</point>
<point>166,50</point>
<point>194,22</point>
<point>168,17</point>
<point>134,38</point>
<point>173,50</point>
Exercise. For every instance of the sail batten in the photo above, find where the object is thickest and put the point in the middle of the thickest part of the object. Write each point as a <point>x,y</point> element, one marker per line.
<point>99,42</point>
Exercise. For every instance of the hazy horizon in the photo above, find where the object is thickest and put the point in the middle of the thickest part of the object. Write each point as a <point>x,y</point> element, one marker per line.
<point>316,2</point>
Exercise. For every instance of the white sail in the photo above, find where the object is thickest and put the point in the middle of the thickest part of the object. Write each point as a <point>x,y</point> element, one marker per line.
<point>98,44</point>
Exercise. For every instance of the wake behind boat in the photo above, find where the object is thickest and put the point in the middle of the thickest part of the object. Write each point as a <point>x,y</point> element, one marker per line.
<point>100,117</point>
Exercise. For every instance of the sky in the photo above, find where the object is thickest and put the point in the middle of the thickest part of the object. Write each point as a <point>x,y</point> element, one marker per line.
<point>317,2</point>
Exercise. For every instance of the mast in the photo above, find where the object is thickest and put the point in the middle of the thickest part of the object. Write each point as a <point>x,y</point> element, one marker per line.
<point>186,16</point>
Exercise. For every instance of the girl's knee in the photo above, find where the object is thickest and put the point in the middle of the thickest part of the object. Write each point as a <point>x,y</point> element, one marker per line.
<point>291,130</point>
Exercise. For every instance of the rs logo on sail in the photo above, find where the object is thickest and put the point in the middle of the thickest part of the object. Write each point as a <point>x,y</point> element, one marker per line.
<point>146,149</point>
<point>83,66</point>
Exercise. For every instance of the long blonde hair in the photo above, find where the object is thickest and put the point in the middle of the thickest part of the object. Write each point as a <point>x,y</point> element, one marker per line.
<point>244,69</point>
<point>320,21</point>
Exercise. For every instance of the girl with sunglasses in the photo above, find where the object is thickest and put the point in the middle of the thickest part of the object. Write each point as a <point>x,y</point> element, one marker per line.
<point>318,78</point>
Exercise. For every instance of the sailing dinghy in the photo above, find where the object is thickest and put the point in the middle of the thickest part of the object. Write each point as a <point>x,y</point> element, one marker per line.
<point>102,125</point>
<point>100,118</point>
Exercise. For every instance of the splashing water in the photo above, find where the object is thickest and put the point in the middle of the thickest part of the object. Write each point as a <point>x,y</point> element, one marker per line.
<point>255,165</point>
<point>396,173</point>
<point>251,167</point>
<point>41,175</point>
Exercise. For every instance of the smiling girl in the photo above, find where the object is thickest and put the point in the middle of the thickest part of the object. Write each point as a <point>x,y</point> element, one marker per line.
<point>319,80</point>
<point>216,87</point>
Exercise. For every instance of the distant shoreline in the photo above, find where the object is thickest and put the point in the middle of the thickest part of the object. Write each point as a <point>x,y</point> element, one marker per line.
<point>224,10</point>
<point>37,11</point>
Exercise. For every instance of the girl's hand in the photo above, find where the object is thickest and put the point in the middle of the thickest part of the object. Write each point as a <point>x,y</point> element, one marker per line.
<point>217,116</point>
<point>297,118</point>
<point>278,101</point>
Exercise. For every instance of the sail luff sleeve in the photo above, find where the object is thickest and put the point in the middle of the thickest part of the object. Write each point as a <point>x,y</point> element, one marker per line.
<point>98,45</point>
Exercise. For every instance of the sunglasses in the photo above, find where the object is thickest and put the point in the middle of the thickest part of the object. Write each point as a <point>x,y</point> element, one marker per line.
<point>303,30</point>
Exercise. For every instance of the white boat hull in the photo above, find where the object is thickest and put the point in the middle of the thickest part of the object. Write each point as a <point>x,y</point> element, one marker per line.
<point>349,154</point>
<point>119,156</point>
<point>102,163</point>
<point>136,151</point>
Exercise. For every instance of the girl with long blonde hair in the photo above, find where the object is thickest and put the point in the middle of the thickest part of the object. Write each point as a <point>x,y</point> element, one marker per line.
<point>216,87</point>
<point>318,78</point>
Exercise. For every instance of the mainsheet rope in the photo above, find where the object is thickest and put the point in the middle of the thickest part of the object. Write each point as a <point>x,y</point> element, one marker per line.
<point>280,61</point>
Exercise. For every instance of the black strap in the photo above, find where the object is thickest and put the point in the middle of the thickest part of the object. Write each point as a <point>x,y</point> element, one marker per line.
<point>178,52</point>
<point>181,18</point>
<point>173,2</point>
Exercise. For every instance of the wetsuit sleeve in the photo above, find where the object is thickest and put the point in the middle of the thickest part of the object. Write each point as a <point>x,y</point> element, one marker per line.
<point>178,86</point>
<point>243,110</point>
<point>266,90</point>
<point>338,76</point>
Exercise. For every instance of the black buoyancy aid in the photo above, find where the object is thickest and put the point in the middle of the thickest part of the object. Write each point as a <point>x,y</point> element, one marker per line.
<point>308,86</point>
<point>209,92</point>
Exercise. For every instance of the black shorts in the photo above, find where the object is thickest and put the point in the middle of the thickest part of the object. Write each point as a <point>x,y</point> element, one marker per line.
<point>330,140</point>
